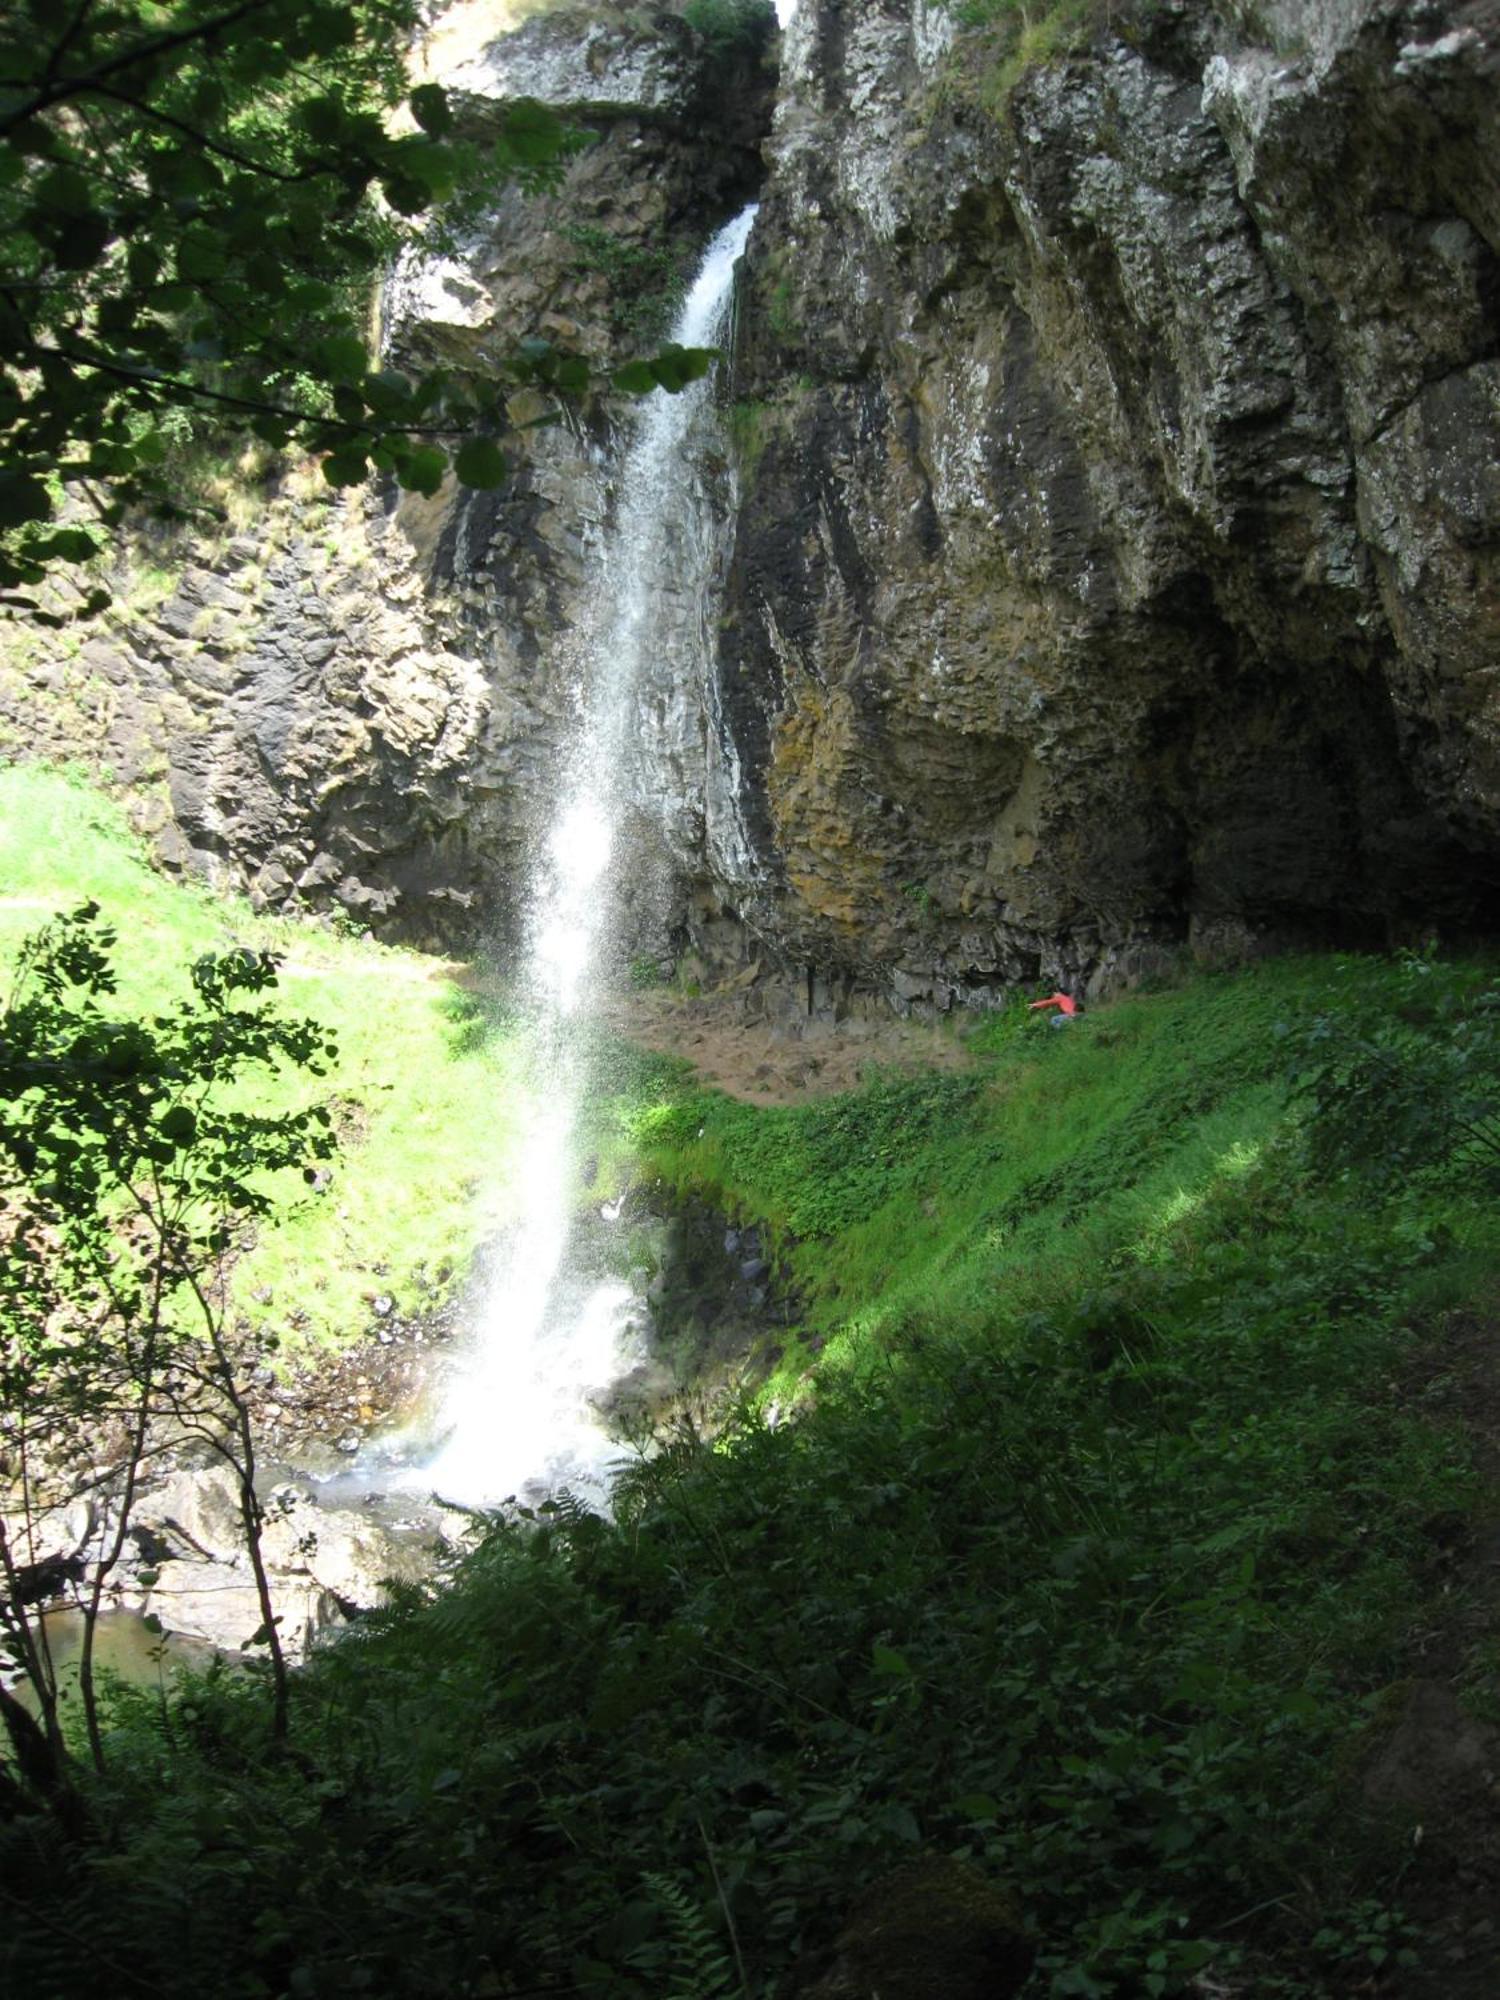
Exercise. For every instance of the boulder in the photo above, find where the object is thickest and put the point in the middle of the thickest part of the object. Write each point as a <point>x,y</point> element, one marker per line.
<point>220,1605</point>
<point>197,1511</point>
<point>341,1551</point>
<point>50,1535</point>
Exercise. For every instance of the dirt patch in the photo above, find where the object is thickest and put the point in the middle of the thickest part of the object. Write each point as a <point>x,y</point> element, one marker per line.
<point>781,1061</point>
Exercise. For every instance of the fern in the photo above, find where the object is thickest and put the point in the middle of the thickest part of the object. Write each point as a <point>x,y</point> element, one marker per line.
<point>702,1970</point>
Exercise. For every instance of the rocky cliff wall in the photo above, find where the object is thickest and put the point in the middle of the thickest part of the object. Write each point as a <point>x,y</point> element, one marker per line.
<point>1112,540</point>
<point>1119,556</point>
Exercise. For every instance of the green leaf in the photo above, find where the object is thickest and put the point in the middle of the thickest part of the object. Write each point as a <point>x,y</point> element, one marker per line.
<point>675,367</point>
<point>424,469</point>
<point>434,168</point>
<point>346,467</point>
<point>180,1125</point>
<point>81,242</point>
<point>342,357</point>
<point>533,132</point>
<point>430,108</point>
<point>635,378</point>
<point>387,392</point>
<point>406,196</point>
<point>977,1806</point>
<point>480,462</point>
<point>23,497</point>
<point>886,1661</point>
<point>201,257</point>
<point>63,191</point>
<point>322,119</point>
<point>326,30</point>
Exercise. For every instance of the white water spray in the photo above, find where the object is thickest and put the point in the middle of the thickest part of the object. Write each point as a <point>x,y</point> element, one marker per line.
<point>520,1414</point>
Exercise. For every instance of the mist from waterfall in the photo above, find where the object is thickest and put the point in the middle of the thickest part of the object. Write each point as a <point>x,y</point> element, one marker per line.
<point>519,1414</point>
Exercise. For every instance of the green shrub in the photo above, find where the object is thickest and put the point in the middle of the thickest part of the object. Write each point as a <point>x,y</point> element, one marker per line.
<point>1411,1086</point>
<point>731,27</point>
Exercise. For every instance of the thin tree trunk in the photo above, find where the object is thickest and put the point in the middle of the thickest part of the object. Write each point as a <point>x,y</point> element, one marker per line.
<point>107,1561</point>
<point>243,1462</point>
<point>43,1765</point>
<point>145,1383</point>
<point>35,1656</point>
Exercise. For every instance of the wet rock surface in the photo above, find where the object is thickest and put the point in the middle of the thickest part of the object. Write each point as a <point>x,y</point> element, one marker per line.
<point>715,1308</point>
<point>320,1412</point>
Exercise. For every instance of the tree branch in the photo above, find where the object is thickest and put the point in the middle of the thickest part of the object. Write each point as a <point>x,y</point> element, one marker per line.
<point>62,88</point>
<point>174,385</point>
<point>67,37</point>
<point>202,139</point>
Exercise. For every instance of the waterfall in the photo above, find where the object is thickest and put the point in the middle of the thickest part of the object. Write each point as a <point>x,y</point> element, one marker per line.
<point>518,1414</point>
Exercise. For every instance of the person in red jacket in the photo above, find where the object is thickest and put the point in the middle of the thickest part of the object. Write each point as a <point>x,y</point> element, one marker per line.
<point>1065,1004</point>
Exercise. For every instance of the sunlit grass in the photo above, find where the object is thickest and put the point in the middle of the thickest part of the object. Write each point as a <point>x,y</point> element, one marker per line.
<point>428,1110</point>
<point>949,1208</point>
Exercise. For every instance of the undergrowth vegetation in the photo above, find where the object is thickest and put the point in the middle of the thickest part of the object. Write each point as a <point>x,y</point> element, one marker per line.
<point>1007,38</point>
<point>425,1107</point>
<point>1086,1563</point>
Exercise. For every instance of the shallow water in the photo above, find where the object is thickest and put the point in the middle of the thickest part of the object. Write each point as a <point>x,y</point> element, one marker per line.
<point>123,1646</point>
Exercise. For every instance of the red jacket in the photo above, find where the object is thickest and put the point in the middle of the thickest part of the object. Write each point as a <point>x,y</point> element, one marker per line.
<point>1060,1001</point>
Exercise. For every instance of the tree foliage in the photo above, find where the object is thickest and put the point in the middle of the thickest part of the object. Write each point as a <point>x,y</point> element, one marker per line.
<point>130,1165</point>
<point>195,196</point>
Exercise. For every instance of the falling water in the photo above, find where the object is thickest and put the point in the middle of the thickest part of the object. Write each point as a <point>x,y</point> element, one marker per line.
<point>519,1413</point>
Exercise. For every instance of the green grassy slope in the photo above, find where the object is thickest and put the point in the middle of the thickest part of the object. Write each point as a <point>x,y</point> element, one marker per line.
<point>1100,1152</point>
<point>1122,1504</point>
<point>429,1109</point>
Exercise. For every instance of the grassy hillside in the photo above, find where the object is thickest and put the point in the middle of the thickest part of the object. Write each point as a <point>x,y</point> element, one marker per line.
<point>1108,1152</point>
<point>1069,1610</point>
<point>427,1107</point>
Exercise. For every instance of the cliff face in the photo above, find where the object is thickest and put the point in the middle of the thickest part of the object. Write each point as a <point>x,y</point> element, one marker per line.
<point>1119,554</point>
<point>358,703</point>
<point>1113,551</point>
